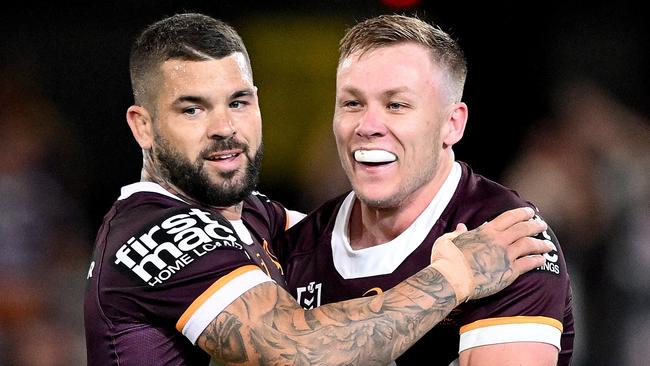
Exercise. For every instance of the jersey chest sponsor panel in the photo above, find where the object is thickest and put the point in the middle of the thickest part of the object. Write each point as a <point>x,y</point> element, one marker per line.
<point>155,256</point>
<point>538,300</point>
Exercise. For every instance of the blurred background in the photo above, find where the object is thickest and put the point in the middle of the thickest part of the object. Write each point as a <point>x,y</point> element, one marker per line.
<point>559,110</point>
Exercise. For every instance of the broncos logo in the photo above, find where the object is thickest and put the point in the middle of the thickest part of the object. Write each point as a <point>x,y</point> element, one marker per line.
<point>373,291</point>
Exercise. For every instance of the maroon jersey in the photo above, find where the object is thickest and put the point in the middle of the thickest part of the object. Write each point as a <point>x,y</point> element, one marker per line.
<point>162,269</point>
<point>321,268</point>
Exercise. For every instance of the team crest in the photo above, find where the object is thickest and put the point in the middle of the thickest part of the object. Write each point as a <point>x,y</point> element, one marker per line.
<point>309,296</point>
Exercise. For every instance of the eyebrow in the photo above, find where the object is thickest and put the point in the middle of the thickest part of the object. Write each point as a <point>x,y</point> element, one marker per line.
<point>242,93</point>
<point>388,93</point>
<point>202,100</point>
<point>392,92</point>
<point>191,99</point>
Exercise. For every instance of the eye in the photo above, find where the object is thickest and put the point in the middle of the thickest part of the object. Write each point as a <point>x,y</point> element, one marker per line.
<point>352,104</point>
<point>192,111</point>
<point>238,104</point>
<point>394,106</point>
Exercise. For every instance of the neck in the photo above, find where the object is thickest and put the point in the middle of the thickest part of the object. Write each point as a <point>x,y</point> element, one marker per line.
<point>152,175</point>
<point>370,226</point>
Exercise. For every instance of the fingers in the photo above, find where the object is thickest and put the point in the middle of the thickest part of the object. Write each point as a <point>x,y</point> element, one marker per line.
<point>528,246</point>
<point>511,217</point>
<point>523,229</point>
<point>527,263</point>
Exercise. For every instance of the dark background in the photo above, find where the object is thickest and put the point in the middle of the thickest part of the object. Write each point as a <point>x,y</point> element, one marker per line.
<point>517,55</point>
<point>520,55</point>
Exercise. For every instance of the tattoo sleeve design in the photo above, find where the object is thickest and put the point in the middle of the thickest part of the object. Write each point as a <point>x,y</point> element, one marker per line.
<point>266,326</point>
<point>490,264</point>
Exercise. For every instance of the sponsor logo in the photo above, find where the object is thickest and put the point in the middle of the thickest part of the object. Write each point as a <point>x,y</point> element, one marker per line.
<point>166,248</point>
<point>90,270</point>
<point>309,296</point>
<point>552,257</point>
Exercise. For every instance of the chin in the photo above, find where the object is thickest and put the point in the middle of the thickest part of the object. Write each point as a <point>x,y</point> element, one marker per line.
<point>377,200</point>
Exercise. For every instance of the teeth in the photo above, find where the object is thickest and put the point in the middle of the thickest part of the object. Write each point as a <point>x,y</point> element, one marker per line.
<point>223,157</point>
<point>374,156</point>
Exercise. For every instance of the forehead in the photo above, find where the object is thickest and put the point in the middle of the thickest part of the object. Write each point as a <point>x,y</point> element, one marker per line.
<point>197,77</point>
<point>402,63</point>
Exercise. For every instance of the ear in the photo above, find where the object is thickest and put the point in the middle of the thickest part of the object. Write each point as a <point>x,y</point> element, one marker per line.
<point>456,121</point>
<point>140,124</point>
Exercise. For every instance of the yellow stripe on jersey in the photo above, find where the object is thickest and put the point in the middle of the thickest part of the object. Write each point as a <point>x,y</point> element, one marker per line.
<point>482,323</point>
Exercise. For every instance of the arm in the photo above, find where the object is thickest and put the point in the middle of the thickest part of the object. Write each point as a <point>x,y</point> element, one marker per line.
<point>265,325</point>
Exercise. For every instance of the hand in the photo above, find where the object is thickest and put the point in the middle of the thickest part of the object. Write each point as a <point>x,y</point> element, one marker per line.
<point>491,256</point>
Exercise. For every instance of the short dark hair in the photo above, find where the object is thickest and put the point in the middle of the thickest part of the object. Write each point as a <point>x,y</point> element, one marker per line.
<point>188,36</point>
<point>387,30</point>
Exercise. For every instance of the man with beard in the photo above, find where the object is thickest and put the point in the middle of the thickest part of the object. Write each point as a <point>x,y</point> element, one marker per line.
<point>182,272</point>
<point>398,113</point>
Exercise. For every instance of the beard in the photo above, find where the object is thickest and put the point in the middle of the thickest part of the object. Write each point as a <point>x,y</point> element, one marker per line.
<point>192,179</point>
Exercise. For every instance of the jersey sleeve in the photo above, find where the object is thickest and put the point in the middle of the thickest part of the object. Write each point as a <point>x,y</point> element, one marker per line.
<point>179,269</point>
<point>531,309</point>
<point>216,298</point>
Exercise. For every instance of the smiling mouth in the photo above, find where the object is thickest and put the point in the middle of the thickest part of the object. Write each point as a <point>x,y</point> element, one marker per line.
<point>374,157</point>
<point>221,156</point>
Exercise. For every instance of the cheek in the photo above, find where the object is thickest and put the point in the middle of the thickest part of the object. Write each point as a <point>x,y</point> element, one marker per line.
<point>427,134</point>
<point>421,145</point>
<point>342,131</point>
<point>252,136</point>
<point>186,144</point>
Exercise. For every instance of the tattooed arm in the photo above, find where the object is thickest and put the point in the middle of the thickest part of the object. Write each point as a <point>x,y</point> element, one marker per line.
<point>265,326</point>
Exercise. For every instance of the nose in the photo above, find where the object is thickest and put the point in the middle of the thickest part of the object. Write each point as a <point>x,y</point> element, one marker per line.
<point>221,126</point>
<point>370,123</point>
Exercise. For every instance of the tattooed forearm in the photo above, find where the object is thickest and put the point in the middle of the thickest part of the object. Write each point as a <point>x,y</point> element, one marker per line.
<point>491,268</point>
<point>265,325</point>
<point>225,339</point>
<point>274,330</point>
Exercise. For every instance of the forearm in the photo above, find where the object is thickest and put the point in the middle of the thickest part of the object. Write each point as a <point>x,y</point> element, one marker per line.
<point>266,325</point>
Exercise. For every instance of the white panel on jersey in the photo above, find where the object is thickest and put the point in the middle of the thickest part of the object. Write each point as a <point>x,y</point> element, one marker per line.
<point>507,333</point>
<point>293,217</point>
<point>219,300</point>
<point>130,189</point>
<point>385,258</point>
<point>242,231</point>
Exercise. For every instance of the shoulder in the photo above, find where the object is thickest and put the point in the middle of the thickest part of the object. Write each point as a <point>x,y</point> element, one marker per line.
<point>477,186</point>
<point>314,229</point>
<point>266,215</point>
<point>320,219</point>
<point>479,199</point>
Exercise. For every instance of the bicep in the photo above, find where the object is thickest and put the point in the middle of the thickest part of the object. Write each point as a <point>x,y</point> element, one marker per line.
<point>510,354</point>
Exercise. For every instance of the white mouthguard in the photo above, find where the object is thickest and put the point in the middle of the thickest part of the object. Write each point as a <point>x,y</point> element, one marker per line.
<point>374,156</point>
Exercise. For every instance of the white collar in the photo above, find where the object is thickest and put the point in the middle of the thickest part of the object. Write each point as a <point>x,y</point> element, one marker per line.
<point>385,258</point>
<point>131,189</point>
